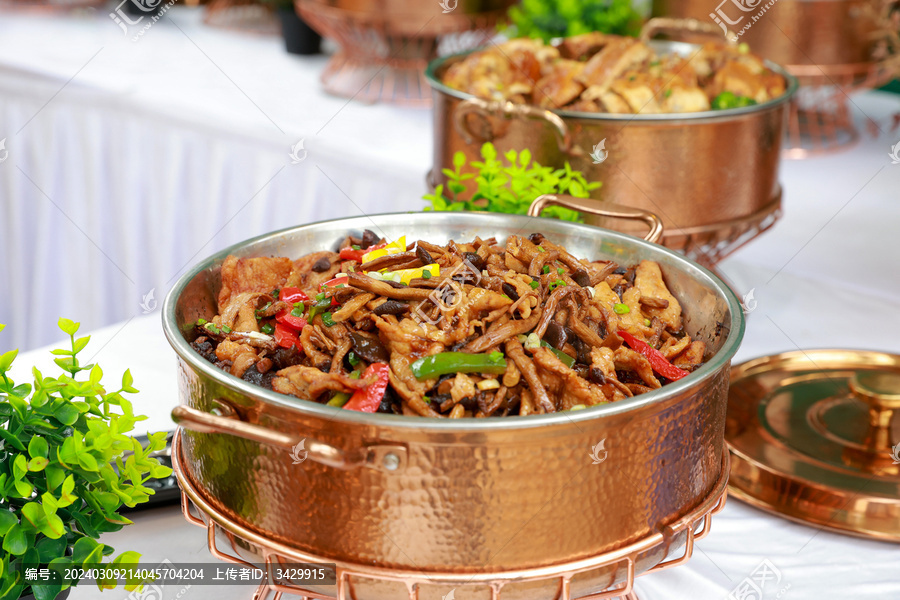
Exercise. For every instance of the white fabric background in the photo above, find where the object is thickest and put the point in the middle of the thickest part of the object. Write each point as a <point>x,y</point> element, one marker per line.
<point>161,152</point>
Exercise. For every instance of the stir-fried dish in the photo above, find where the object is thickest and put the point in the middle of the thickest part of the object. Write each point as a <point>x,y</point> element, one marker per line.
<point>476,329</point>
<point>596,72</point>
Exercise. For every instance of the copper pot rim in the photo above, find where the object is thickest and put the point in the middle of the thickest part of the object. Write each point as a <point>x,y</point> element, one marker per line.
<point>664,118</point>
<point>312,409</point>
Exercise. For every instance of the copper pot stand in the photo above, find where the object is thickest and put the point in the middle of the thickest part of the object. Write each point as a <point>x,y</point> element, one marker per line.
<point>694,526</point>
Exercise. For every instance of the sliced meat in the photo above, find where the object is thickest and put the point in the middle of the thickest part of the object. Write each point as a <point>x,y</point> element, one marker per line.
<point>260,275</point>
<point>308,278</point>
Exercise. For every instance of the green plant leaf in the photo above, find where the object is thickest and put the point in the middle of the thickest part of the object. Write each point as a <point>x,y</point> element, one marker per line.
<point>15,541</point>
<point>37,464</point>
<point>23,489</point>
<point>55,476</point>
<point>80,343</point>
<point>38,447</point>
<point>127,381</point>
<point>66,413</point>
<point>68,326</point>
<point>7,521</point>
<point>49,548</point>
<point>12,440</point>
<point>46,590</point>
<point>20,466</point>
<point>88,462</point>
<point>6,359</point>
<point>87,550</point>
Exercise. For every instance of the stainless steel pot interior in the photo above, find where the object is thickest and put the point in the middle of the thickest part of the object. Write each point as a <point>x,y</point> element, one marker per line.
<point>711,310</point>
<point>436,67</point>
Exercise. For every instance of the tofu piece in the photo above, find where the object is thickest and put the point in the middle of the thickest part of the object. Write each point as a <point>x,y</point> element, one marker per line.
<point>648,279</point>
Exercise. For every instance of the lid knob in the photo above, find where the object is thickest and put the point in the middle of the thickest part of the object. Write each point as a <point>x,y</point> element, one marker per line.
<point>881,391</point>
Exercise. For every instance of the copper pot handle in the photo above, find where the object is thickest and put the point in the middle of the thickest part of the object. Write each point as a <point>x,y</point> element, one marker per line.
<point>676,26</point>
<point>380,457</point>
<point>602,208</point>
<point>510,110</point>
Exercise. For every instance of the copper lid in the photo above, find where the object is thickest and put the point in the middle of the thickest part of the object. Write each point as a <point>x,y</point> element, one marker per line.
<point>813,438</point>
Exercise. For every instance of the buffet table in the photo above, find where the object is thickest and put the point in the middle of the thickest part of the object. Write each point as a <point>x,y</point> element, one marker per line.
<point>142,128</point>
<point>186,136</point>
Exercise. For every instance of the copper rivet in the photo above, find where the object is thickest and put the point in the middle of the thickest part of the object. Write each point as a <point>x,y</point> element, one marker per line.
<point>391,461</point>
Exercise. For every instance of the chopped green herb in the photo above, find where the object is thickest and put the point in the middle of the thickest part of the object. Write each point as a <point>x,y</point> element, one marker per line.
<point>560,270</point>
<point>546,269</point>
<point>326,318</point>
<point>352,359</point>
<point>667,93</point>
<point>426,399</point>
<point>556,284</point>
<point>275,293</point>
<point>356,247</point>
<point>541,249</point>
<point>355,374</point>
<point>534,285</point>
<point>226,329</point>
<point>621,309</point>
<point>212,328</point>
<point>201,321</point>
<point>267,329</point>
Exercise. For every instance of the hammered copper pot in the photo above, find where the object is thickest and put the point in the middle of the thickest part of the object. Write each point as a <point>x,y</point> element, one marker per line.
<point>793,32</point>
<point>698,171</point>
<point>464,496</point>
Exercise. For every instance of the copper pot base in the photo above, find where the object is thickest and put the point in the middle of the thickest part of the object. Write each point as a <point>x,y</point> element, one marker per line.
<point>555,581</point>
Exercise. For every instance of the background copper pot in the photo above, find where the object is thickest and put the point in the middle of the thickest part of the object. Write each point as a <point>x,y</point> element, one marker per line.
<point>467,496</point>
<point>700,172</point>
<point>795,32</point>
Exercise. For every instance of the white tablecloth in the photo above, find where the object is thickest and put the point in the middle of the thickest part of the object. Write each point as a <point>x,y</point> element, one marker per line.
<point>159,152</point>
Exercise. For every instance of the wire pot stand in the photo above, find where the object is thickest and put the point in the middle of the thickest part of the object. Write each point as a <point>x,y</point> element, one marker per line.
<point>694,526</point>
<point>382,57</point>
<point>819,118</point>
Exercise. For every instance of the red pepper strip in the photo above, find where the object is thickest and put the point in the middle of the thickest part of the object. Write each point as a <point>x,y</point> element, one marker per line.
<point>293,294</point>
<point>285,317</point>
<point>285,336</point>
<point>341,279</point>
<point>349,253</point>
<point>658,362</point>
<point>369,398</point>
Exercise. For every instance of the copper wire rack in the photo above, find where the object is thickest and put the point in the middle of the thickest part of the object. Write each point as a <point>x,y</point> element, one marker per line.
<point>230,541</point>
<point>380,60</point>
<point>711,244</point>
<point>820,120</point>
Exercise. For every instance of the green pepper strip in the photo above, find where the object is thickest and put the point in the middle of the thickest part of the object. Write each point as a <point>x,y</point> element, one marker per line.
<point>457,362</point>
<point>339,399</point>
<point>562,356</point>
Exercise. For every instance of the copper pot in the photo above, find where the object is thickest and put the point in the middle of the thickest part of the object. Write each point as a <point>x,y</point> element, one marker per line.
<point>818,33</point>
<point>698,171</point>
<point>469,496</point>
